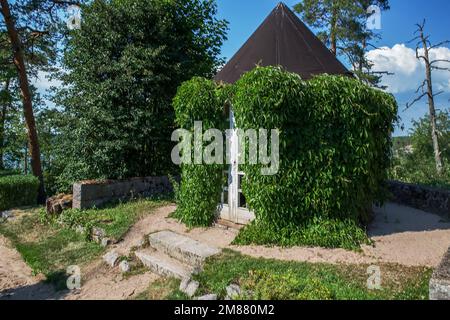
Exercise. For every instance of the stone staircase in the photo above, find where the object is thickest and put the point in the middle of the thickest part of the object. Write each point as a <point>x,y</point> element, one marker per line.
<point>174,255</point>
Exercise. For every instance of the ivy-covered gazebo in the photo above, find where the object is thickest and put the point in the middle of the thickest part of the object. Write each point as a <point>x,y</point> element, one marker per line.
<point>334,141</point>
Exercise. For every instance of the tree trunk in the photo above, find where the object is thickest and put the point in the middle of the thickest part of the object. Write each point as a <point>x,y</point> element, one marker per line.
<point>2,126</point>
<point>333,30</point>
<point>362,58</point>
<point>434,132</point>
<point>25,160</point>
<point>26,97</point>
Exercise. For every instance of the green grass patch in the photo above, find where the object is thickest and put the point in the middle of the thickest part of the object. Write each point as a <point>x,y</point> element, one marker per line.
<point>49,247</point>
<point>276,280</point>
<point>115,219</point>
<point>163,289</point>
<point>318,232</point>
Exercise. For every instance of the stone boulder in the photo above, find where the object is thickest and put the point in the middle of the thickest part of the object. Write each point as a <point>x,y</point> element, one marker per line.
<point>57,204</point>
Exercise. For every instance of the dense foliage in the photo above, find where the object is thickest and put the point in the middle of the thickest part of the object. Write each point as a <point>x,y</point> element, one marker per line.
<point>414,158</point>
<point>335,150</point>
<point>18,191</point>
<point>198,194</point>
<point>334,145</point>
<point>123,68</point>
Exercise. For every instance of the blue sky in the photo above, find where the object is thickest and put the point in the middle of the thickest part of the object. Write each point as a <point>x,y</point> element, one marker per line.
<point>398,26</point>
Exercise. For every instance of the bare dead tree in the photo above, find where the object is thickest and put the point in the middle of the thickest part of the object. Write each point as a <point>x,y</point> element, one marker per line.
<point>426,88</point>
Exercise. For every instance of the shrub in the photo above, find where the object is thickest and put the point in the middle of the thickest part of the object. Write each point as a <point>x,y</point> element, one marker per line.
<point>199,191</point>
<point>17,190</point>
<point>4,173</point>
<point>327,233</point>
<point>335,142</point>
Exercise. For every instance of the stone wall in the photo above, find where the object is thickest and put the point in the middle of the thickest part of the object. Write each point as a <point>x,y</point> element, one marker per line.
<point>440,280</point>
<point>88,194</point>
<point>429,199</point>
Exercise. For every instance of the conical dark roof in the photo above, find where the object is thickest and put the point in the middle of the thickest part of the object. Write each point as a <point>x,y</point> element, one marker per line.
<point>282,39</point>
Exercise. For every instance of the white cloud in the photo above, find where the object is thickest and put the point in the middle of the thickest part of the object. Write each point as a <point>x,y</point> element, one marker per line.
<point>409,72</point>
<point>43,82</point>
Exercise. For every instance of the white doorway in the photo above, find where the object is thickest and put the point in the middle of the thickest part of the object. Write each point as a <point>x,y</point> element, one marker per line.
<point>233,203</point>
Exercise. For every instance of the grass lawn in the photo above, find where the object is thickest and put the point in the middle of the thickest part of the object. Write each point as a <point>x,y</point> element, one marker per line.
<point>280,280</point>
<point>115,219</point>
<point>49,248</point>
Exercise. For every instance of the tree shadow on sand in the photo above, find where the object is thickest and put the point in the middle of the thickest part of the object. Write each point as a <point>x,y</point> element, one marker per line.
<point>393,218</point>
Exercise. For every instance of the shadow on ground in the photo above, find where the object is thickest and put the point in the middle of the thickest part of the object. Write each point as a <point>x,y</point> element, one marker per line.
<point>393,218</point>
<point>38,291</point>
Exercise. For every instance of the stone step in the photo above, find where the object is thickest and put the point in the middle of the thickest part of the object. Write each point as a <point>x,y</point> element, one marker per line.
<point>182,248</point>
<point>163,265</point>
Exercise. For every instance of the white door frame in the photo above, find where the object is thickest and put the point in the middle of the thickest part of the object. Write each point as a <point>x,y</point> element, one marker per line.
<point>231,207</point>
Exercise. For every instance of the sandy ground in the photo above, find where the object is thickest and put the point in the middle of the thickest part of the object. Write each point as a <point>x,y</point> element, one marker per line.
<point>101,282</point>
<point>401,235</point>
<point>16,274</point>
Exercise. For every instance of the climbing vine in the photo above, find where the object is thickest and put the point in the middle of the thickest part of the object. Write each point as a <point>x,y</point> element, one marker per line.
<point>198,193</point>
<point>334,151</point>
<point>335,142</point>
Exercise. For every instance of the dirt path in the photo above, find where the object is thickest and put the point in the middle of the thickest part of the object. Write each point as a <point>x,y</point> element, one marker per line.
<point>101,282</point>
<point>16,279</point>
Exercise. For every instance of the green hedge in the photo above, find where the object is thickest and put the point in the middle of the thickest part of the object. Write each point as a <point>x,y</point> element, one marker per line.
<point>198,194</point>
<point>17,191</point>
<point>4,173</point>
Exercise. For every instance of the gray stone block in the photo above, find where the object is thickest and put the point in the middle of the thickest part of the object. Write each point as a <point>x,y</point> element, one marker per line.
<point>163,265</point>
<point>6,214</point>
<point>440,280</point>
<point>190,288</point>
<point>88,194</point>
<point>433,200</point>
<point>182,248</point>
<point>111,258</point>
